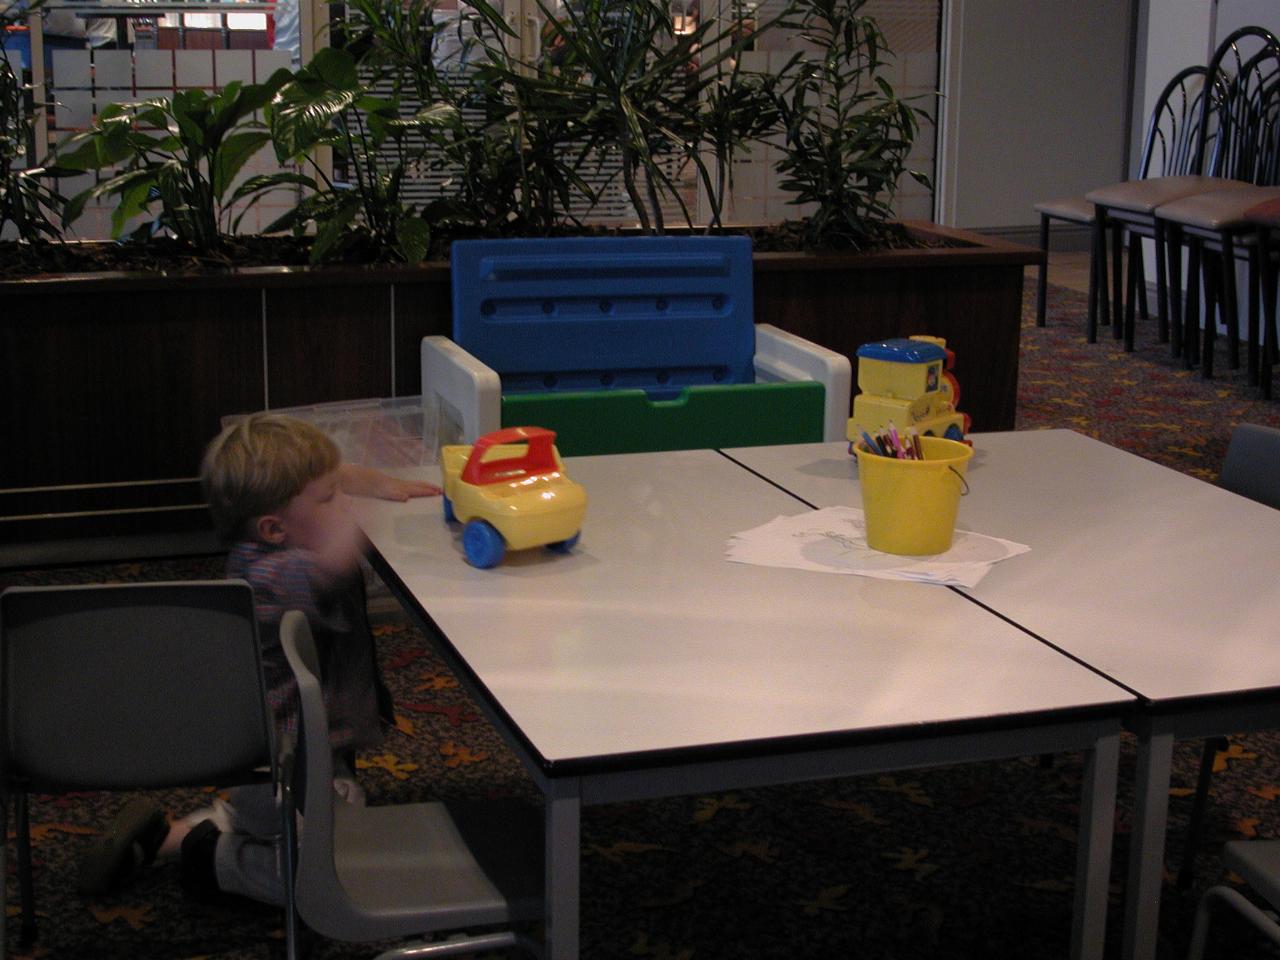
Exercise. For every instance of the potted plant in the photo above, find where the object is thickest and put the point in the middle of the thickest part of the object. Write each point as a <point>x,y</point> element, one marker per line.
<point>178,350</point>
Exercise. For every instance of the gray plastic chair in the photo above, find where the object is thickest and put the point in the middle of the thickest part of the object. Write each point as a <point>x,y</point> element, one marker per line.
<point>129,687</point>
<point>1258,862</point>
<point>408,870</point>
<point>1252,464</point>
<point>1252,469</point>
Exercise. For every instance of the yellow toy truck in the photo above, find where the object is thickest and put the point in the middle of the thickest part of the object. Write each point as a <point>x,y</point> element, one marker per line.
<point>510,490</point>
<point>907,382</point>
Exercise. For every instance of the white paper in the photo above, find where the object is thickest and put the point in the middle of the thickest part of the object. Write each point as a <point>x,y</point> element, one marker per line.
<point>834,540</point>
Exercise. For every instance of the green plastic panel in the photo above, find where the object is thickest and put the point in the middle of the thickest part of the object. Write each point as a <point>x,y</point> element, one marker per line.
<point>627,421</point>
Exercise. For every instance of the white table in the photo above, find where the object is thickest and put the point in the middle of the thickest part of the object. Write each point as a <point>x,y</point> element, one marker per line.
<point>636,666</point>
<point>1162,582</point>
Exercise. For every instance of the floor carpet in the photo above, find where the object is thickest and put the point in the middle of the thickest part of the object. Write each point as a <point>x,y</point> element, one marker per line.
<point>975,860</point>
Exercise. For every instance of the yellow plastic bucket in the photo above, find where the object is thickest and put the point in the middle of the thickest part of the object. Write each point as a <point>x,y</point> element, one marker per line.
<point>911,505</point>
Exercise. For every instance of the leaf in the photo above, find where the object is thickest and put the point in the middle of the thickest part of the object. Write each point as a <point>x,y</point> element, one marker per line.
<point>333,67</point>
<point>300,118</point>
<point>235,152</point>
<point>330,232</point>
<point>134,196</point>
<point>265,182</point>
<point>75,206</point>
<point>413,238</point>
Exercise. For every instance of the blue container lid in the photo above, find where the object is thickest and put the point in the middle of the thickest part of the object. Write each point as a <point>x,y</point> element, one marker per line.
<point>902,350</point>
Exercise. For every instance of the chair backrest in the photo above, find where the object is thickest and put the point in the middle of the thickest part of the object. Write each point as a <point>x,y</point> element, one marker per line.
<point>1245,146</point>
<point>131,686</point>
<point>318,891</point>
<point>1173,131</point>
<point>1231,80</point>
<point>1252,464</point>
<point>592,313</point>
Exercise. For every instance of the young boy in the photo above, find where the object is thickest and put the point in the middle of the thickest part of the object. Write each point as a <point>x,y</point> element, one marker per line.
<point>278,492</point>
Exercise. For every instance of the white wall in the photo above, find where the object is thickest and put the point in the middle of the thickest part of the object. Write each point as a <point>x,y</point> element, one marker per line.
<point>1034,105</point>
<point>1172,34</point>
<point>1233,14</point>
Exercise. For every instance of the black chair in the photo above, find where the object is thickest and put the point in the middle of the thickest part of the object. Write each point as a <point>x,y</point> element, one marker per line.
<point>406,870</point>
<point>1166,149</point>
<point>1130,206</point>
<point>129,687</point>
<point>1076,210</point>
<point>1265,218</point>
<point>1246,150</point>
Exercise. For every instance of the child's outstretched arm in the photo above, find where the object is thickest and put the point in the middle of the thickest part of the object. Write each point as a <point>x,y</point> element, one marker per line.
<point>361,481</point>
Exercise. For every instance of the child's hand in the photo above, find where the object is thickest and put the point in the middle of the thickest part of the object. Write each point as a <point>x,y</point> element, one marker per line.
<point>393,488</point>
<point>367,482</point>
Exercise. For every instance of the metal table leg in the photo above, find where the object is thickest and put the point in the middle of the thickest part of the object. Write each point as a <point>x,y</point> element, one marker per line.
<point>1093,859</point>
<point>1146,858</point>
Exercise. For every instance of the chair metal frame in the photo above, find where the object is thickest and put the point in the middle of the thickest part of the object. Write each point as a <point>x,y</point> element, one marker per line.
<point>1268,275</point>
<point>1172,141</point>
<point>147,686</point>
<point>1258,862</point>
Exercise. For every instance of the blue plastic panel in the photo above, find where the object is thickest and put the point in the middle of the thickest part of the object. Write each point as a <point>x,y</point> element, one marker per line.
<point>903,350</point>
<point>591,313</point>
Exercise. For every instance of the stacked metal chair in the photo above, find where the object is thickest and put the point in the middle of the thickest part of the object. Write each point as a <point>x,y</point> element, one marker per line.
<point>1246,151</point>
<point>1129,207</point>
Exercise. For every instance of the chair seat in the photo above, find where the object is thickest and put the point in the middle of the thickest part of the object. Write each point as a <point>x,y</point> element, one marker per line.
<point>1265,214</point>
<point>1219,210</point>
<point>1258,861</point>
<point>415,868</point>
<point>1074,209</point>
<point>1144,196</point>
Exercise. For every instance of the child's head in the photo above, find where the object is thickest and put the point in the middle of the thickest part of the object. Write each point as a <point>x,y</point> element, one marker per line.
<point>256,466</point>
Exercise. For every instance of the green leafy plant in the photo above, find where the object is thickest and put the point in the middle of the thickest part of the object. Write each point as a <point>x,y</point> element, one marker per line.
<point>326,104</point>
<point>184,154</point>
<point>847,134</point>
<point>508,160</point>
<point>738,108</point>
<point>642,92</point>
<point>27,199</point>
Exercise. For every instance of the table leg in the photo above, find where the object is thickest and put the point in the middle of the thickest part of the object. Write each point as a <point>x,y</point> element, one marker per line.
<point>1093,859</point>
<point>1146,858</point>
<point>563,858</point>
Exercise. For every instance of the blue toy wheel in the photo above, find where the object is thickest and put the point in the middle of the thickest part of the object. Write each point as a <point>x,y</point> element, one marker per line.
<point>447,505</point>
<point>482,544</point>
<point>564,546</point>
<point>954,433</point>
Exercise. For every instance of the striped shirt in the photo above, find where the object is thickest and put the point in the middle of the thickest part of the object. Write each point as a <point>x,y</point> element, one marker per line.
<point>288,579</point>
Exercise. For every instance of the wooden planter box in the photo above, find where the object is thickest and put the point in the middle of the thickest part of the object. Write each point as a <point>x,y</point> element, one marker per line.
<point>113,383</point>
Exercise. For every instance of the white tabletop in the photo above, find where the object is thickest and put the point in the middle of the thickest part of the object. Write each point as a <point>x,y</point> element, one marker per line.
<point>1167,584</point>
<point>645,639</point>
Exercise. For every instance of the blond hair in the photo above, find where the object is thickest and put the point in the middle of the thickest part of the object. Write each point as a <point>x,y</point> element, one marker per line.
<point>258,464</point>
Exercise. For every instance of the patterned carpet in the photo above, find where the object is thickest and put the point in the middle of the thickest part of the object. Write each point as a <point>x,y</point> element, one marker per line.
<point>969,861</point>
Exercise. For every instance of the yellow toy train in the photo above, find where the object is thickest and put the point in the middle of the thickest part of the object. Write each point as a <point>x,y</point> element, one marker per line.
<point>907,382</point>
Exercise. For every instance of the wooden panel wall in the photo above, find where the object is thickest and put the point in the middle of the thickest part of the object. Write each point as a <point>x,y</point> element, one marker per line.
<point>111,392</point>
<point>112,387</point>
<point>969,307</point>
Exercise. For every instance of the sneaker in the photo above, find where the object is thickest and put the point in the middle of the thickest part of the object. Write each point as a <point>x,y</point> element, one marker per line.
<point>198,875</point>
<point>130,843</point>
